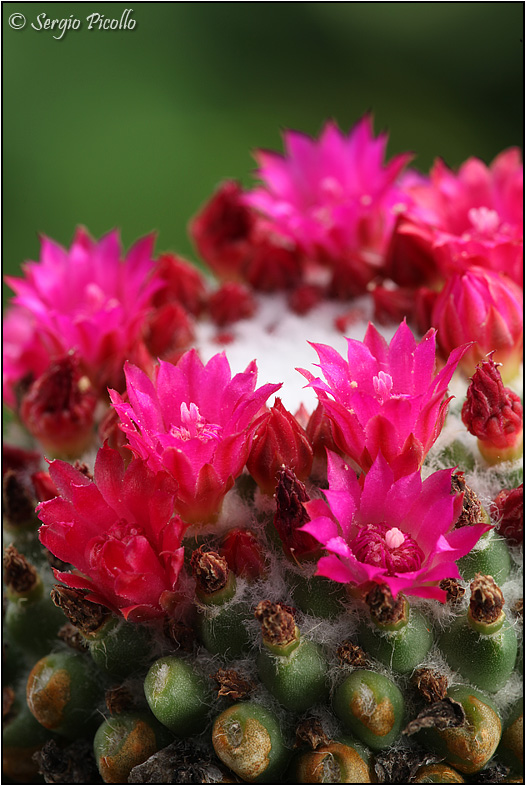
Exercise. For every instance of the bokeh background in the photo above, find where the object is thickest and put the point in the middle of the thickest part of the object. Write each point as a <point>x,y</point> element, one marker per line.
<point>135,128</point>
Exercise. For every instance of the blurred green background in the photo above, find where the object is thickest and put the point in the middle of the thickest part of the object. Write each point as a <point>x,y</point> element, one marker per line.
<point>135,128</point>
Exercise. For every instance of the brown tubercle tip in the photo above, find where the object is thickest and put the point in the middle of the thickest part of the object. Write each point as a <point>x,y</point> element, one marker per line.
<point>21,576</point>
<point>277,623</point>
<point>384,608</point>
<point>454,589</point>
<point>210,570</point>
<point>85,615</point>
<point>487,600</point>
<point>431,684</point>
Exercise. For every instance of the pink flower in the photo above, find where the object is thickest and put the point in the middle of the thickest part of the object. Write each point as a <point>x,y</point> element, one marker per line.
<point>387,531</point>
<point>460,220</point>
<point>86,299</point>
<point>485,308</point>
<point>385,397</point>
<point>119,532</point>
<point>333,197</point>
<point>196,422</point>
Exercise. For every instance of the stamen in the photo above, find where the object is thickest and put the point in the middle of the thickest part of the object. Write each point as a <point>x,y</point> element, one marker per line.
<point>383,384</point>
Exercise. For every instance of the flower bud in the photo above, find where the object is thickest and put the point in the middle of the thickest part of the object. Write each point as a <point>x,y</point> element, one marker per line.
<point>273,266</point>
<point>244,553</point>
<point>221,231</point>
<point>305,297</point>
<point>486,308</point>
<point>278,441</point>
<point>493,414</point>
<point>510,514</point>
<point>59,407</point>
<point>181,283</point>
<point>230,303</point>
<point>291,515</point>
<point>410,259</point>
<point>169,332</point>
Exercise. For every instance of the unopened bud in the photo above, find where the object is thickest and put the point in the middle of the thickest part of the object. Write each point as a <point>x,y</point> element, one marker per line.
<point>279,441</point>
<point>493,413</point>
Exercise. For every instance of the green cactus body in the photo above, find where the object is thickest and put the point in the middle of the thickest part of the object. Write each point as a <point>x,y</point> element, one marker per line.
<point>297,680</point>
<point>63,691</point>
<point>120,648</point>
<point>371,707</point>
<point>318,596</point>
<point>486,659</point>
<point>341,761</point>
<point>468,748</point>
<point>123,741</point>
<point>22,736</point>
<point>490,557</point>
<point>222,629</point>
<point>402,649</point>
<point>178,696</point>
<point>511,747</point>
<point>32,622</point>
<point>248,740</point>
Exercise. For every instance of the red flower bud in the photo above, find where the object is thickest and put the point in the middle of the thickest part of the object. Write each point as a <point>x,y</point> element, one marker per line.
<point>17,459</point>
<point>279,441</point>
<point>392,305</point>
<point>272,266</point>
<point>319,433</point>
<point>170,332</point>
<point>231,302</point>
<point>221,231</point>
<point>493,413</point>
<point>291,515</point>
<point>244,553</point>
<point>410,258</point>
<point>305,297</point>
<point>59,407</point>
<point>182,283</point>
<point>510,514</point>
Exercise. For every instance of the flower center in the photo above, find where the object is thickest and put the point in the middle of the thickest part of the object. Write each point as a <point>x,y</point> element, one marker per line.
<point>194,426</point>
<point>484,220</point>
<point>383,384</point>
<point>387,547</point>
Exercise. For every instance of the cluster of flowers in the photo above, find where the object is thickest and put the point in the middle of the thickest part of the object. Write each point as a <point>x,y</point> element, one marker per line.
<point>178,433</point>
<point>331,220</point>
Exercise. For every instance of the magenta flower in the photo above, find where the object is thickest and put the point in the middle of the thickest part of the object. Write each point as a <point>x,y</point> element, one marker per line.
<point>385,397</point>
<point>460,220</point>
<point>334,197</point>
<point>119,532</point>
<point>387,531</point>
<point>86,299</point>
<point>196,422</point>
<point>485,308</point>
